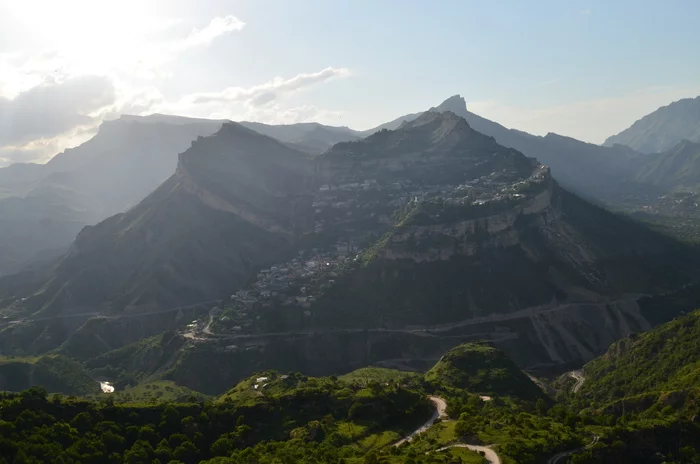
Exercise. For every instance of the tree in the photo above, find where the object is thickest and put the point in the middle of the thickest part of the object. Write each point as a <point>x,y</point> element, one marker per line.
<point>222,446</point>
<point>186,452</point>
<point>82,422</point>
<point>463,429</point>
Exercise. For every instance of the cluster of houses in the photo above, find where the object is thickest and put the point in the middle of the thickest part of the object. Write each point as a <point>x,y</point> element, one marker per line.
<point>297,283</point>
<point>281,284</point>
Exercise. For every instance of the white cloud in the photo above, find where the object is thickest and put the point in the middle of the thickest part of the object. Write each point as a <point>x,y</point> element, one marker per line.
<point>53,108</point>
<point>92,67</point>
<point>216,28</point>
<point>56,115</point>
<point>266,93</point>
<point>585,11</point>
<point>263,102</point>
<point>590,120</point>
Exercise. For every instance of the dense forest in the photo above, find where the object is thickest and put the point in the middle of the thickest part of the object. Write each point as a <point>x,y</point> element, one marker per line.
<point>636,404</point>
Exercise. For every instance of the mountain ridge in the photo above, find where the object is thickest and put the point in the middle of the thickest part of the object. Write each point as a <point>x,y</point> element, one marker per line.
<point>136,258</point>
<point>662,129</point>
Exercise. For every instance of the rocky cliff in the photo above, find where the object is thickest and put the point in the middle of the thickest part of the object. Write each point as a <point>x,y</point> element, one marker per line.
<point>505,253</point>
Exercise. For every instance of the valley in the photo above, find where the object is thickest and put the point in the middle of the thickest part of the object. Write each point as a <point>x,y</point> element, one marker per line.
<point>275,233</point>
<point>388,250</point>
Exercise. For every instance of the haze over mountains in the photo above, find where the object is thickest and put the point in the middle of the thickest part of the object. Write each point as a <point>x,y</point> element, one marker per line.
<point>457,230</point>
<point>44,206</point>
<point>232,205</point>
<point>663,129</point>
<point>438,242</point>
<point>449,191</point>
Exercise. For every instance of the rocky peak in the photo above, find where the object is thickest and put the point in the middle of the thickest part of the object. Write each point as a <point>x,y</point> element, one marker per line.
<point>456,104</point>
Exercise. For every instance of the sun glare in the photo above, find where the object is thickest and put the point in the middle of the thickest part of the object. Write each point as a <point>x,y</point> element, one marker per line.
<point>92,36</point>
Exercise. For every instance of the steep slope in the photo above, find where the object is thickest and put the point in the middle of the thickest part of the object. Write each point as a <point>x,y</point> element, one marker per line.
<point>435,234</point>
<point>675,169</point>
<point>654,364</point>
<point>364,182</point>
<point>499,247</point>
<point>45,206</point>
<point>600,173</point>
<point>236,201</point>
<point>648,385</point>
<point>663,129</point>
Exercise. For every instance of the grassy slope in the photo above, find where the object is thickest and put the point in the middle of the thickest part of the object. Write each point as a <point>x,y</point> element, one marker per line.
<point>480,368</point>
<point>379,374</point>
<point>54,372</point>
<point>661,360</point>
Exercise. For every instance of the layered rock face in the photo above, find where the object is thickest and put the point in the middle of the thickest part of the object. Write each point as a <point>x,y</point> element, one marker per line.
<point>411,241</point>
<point>502,253</point>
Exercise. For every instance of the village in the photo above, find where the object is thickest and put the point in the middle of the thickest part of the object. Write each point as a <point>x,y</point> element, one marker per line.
<point>294,284</point>
<point>341,211</point>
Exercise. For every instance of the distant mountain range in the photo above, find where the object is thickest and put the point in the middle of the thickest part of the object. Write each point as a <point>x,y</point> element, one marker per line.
<point>663,129</point>
<point>43,207</point>
<point>456,229</point>
<point>233,204</point>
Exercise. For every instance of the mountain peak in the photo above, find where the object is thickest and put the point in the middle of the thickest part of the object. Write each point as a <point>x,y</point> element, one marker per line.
<point>455,104</point>
<point>435,116</point>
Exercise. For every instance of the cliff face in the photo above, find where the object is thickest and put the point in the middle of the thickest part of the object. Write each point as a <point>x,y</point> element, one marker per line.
<point>238,200</point>
<point>502,253</point>
<point>441,241</point>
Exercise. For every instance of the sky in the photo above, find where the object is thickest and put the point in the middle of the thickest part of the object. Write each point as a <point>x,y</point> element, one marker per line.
<point>585,69</point>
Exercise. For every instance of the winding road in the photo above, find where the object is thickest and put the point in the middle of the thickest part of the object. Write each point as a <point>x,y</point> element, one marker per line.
<point>558,457</point>
<point>440,408</point>
<point>489,453</point>
<point>579,378</point>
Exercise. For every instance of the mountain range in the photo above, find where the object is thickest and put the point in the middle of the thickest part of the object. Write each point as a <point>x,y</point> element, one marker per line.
<point>452,231</point>
<point>44,206</point>
<point>661,130</point>
<point>438,243</point>
<point>429,200</point>
<point>232,205</point>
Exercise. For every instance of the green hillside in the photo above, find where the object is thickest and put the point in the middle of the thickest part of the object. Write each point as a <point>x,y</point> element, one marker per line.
<point>482,369</point>
<point>272,417</point>
<point>660,361</point>
<point>53,372</point>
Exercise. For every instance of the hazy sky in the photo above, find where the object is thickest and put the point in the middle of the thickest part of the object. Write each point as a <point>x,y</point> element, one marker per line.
<point>585,69</point>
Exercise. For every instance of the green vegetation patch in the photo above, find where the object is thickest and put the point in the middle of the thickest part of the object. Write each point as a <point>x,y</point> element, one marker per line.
<point>481,368</point>
<point>55,373</point>
<point>379,374</point>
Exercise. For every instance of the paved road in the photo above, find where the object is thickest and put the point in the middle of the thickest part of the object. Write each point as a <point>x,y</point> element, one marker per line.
<point>489,454</point>
<point>558,457</point>
<point>440,407</point>
<point>116,316</point>
<point>440,411</point>
<point>436,330</point>
<point>579,378</point>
